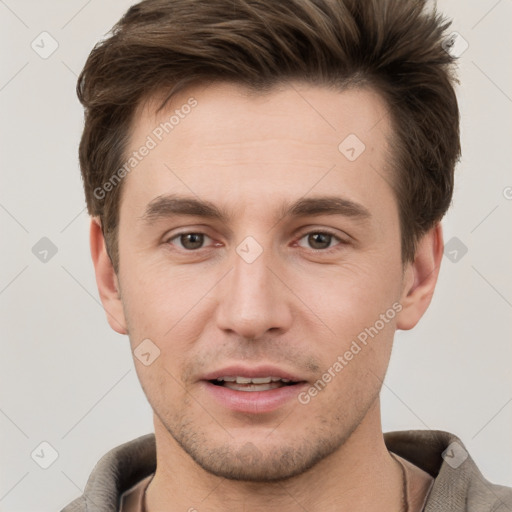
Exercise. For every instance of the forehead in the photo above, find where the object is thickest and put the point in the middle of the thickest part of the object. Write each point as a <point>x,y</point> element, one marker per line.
<point>211,137</point>
<point>221,108</point>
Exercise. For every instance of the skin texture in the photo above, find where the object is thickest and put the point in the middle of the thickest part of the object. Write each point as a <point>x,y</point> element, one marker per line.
<point>296,306</point>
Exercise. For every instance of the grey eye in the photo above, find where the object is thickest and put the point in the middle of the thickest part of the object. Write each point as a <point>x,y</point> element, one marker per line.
<point>190,241</point>
<point>319,240</point>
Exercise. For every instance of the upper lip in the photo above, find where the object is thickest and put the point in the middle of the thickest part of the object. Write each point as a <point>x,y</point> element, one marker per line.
<point>252,372</point>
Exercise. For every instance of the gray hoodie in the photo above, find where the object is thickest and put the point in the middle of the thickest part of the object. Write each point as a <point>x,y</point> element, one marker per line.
<point>459,486</point>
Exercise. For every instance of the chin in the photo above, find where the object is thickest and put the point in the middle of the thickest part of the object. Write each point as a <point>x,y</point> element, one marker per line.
<point>261,461</point>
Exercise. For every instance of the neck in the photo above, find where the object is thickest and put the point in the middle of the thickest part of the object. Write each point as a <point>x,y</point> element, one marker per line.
<point>360,476</point>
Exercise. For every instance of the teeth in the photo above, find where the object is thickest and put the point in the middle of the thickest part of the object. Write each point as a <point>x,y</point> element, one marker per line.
<point>259,380</point>
<point>255,380</point>
<point>235,386</point>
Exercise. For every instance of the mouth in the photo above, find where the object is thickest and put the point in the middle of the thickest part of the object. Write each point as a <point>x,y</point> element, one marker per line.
<point>252,384</point>
<point>255,390</point>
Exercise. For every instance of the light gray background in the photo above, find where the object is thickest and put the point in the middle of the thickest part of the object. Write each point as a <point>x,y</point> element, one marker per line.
<point>69,380</point>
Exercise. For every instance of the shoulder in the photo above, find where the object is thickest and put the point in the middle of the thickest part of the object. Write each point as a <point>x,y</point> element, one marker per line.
<point>116,472</point>
<point>459,485</point>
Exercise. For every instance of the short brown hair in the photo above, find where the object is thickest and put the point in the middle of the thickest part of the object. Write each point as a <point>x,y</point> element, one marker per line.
<point>394,46</point>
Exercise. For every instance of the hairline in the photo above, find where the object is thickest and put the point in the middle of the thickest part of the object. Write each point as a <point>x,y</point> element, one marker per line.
<point>157,101</point>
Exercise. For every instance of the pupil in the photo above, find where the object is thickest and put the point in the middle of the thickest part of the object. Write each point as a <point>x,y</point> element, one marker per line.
<point>195,239</point>
<point>324,239</point>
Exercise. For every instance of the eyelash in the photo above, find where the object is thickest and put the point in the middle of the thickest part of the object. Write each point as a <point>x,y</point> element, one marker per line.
<point>329,250</point>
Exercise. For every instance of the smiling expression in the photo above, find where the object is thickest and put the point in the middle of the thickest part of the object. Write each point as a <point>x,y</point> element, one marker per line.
<point>251,246</point>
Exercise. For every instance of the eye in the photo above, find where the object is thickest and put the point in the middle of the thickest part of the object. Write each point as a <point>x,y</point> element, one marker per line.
<point>189,241</point>
<point>320,240</point>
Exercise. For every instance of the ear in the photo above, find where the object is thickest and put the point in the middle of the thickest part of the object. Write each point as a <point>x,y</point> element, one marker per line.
<point>420,278</point>
<point>106,279</point>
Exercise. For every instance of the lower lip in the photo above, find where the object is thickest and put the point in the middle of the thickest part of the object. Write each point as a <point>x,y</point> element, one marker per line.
<point>255,402</point>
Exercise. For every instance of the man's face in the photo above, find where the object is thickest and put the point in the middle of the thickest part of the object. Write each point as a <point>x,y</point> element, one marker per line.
<point>263,292</point>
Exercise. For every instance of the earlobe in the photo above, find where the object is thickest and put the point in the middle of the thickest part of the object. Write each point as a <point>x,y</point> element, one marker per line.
<point>420,278</point>
<point>106,279</point>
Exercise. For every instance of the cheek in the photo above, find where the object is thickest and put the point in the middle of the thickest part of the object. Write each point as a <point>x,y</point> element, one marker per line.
<point>158,295</point>
<point>355,316</point>
<point>351,294</point>
<point>159,382</point>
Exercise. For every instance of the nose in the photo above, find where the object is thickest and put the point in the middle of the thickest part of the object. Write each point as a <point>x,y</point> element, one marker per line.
<point>253,299</point>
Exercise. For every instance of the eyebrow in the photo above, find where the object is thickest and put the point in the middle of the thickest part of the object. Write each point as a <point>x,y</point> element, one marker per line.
<point>167,206</point>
